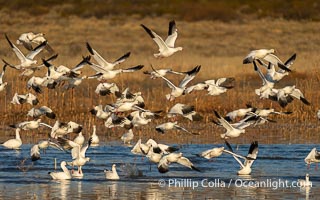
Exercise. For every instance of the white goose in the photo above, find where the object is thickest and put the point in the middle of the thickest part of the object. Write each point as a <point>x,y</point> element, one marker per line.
<point>112,174</point>
<point>166,160</point>
<point>127,137</point>
<point>211,153</point>
<point>312,157</point>
<point>64,175</point>
<point>248,160</point>
<point>13,143</point>
<point>43,110</point>
<point>101,113</point>
<point>25,61</point>
<point>185,111</point>
<point>231,131</point>
<point>266,90</point>
<point>104,89</point>
<point>102,63</point>
<point>172,125</point>
<point>25,98</point>
<point>161,72</point>
<point>3,84</point>
<point>231,116</point>
<point>95,137</point>
<point>305,182</point>
<point>26,39</point>
<point>259,54</point>
<point>177,91</point>
<point>29,125</point>
<point>166,48</point>
<point>285,95</point>
<point>79,139</point>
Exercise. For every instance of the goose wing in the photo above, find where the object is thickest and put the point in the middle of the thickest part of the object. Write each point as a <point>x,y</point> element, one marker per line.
<point>16,50</point>
<point>172,34</point>
<point>158,40</point>
<point>190,75</point>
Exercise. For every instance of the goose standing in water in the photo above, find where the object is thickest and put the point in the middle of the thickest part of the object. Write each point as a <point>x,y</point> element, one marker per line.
<point>305,182</point>
<point>14,143</point>
<point>166,48</point>
<point>112,174</point>
<point>127,137</point>
<point>95,138</point>
<point>64,175</point>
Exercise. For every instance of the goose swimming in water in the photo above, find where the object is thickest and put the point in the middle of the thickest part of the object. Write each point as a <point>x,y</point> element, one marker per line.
<point>166,48</point>
<point>14,143</point>
<point>112,174</point>
<point>64,175</point>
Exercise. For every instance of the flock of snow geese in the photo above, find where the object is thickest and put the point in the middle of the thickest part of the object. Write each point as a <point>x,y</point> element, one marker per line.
<point>116,114</point>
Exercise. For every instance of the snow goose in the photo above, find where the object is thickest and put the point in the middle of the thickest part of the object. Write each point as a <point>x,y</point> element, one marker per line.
<point>266,90</point>
<point>231,131</point>
<point>104,75</point>
<point>26,39</point>
<point>161,72</point>
<point>102,63</point>
<point>161,148</point>
<point>78,152</point>
<point>166,160</point>
<point>35,152</point>
<point>248,160</point>
<point>140,118</point>
<point>127,96</point>
<point>60,129</point>
<point>114,120</point>
<point>29,125</point>
<point>214,87</point>
<point>172,125</point>
<point>231,116</point>
<point>25,61</point>
<point>43,110</point>
<point>112,174</point>
<point>177,91</point>
<point>44,144</point>
<point>104,89</point>
<point>64,175</point>
<point>211,153</point>
<point>185,111</point>
<point>166,48</point>
<point>312,157</point>
<point>3,84</point>
<point>30,70</point>
<point>101,113</point>
<point>36,83</point>
<point>79,139</point>
<point>13,143</point>
<point>305,182</point>
<point>139,147</point>
<point>27,98</point>
<point>257,54</point>
<point>127,137</point>
<point>285,95</point>
<point>95,138</point>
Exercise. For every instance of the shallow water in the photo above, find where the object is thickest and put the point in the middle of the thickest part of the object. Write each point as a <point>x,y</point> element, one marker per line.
<point>20,178</point>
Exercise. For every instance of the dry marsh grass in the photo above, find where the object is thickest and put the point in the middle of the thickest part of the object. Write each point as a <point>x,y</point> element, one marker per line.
<point>219,47</point>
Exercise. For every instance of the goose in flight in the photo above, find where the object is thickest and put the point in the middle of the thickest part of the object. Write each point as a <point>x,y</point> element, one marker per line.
<point>3,84</point>
<point>112,174</point>
<point>248,160</point>
<point>25,61</point>
<point>43,110</point>
<point>44,144</point>
<point>172,125</point>
<point>14,143</point>
<point>166,48</point>
<point>161,72</point>
<point>266,90</point>
<point>312,157</point>
<point>104,89</point>
<point>78,152</point>
<point>60,129</point>
<point>27,98</point>
<point>232,131</point>
<point>177,91</point>
<point>211,153</point>
<point>231,116</point>
<point>102,63</point>
<point>266,54</point>
<point>114,120</point>
<point>26,39</point>
<point>64,175</point>
<point>166,160</point>
<point>286,95</point>
<point>101,113</point>
<point>185,111</point>
<point>29,125</point>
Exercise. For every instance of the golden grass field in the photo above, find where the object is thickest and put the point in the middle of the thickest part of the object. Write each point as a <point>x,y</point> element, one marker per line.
<point>217,46</point>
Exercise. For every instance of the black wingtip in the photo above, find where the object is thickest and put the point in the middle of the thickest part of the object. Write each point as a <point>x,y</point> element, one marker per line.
<point>51,115</point>
<point>172,25</point>
<point>160,130</point>
<point>162,169</point>
<point>228,145</point>
<point>283,67</point>
<point>217,114</point>
<point>305,101</point>
<point>89,48</point>
<point>254,65</point>
<point>196,169</point>
<point>147,30</point>
<point>10,43</point>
